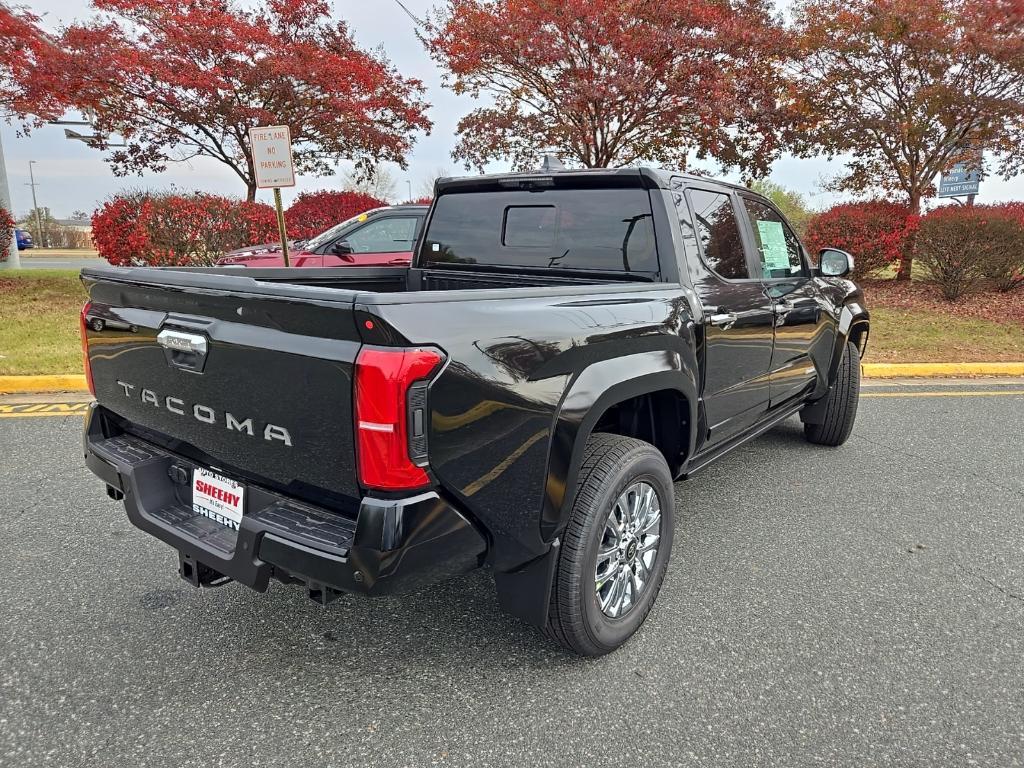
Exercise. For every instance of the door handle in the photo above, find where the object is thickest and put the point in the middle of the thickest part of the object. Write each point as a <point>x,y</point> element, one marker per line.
<point>723,319</point>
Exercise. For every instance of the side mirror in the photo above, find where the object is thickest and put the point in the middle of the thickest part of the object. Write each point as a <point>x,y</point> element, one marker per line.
<point>834,262</point>
<point>341,248</point>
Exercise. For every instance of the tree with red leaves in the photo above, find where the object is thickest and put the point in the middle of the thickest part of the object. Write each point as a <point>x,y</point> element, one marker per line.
<point>614,82</point>
<point>181,80</point>
<point>28,92</point>
<point>908,87</point>
<point>29,88</point>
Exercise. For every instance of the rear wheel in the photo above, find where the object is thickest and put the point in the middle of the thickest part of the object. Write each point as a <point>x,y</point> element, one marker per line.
<point>615,548</point>
<point>840,404</point>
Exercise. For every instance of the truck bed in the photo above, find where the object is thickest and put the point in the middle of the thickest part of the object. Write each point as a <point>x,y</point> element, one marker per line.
<point>282,347</point>
<point>398,279</point>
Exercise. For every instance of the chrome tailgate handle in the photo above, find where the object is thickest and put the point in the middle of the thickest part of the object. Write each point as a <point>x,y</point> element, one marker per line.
<point>180,341</point>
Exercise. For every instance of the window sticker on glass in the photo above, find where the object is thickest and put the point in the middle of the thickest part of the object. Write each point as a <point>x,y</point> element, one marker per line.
<point>773,245</point>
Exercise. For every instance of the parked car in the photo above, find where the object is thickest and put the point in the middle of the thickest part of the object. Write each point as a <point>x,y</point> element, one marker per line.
<point>24,239</point>
<point>377,237</point>
<point>564,346</point>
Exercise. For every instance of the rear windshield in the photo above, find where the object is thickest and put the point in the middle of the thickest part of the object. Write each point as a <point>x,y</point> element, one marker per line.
<point>588,229</point>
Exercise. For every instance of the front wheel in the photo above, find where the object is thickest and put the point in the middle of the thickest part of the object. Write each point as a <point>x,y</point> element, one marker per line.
<point>615,548</point>
<point>840,404</point>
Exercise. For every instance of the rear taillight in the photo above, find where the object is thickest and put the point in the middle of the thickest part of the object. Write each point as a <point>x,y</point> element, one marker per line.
<point>83,325</point>
<point>390,397</point>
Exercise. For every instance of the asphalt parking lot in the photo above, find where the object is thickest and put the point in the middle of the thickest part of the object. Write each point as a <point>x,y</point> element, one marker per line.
<point>862,606</point>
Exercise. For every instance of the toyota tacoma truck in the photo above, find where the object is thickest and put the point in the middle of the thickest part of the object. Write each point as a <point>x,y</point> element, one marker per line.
<point>563,347</point>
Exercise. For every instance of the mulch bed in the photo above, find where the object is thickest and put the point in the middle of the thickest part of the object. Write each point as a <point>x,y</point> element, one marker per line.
<point>919,296</point>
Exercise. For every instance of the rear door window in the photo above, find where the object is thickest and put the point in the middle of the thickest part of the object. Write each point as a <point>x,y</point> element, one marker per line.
<point>610,230</point>
<point>718,233</point>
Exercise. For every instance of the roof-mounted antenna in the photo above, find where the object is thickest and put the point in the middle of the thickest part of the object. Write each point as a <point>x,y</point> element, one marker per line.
<point>550,163</point>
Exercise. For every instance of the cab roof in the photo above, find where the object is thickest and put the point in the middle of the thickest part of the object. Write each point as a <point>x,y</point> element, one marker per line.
<point>635,176</point>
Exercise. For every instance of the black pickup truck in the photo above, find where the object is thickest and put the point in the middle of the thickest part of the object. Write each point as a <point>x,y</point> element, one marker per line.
<point>563,347</point>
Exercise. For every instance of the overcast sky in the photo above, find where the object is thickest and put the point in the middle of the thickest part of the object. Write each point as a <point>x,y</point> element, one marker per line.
<point>71,177</point>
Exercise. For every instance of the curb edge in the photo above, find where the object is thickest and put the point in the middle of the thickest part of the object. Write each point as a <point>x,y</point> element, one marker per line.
<point>76,382</point>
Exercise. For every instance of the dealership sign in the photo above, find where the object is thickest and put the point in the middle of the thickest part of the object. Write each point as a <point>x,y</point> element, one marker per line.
<point>964,178</point>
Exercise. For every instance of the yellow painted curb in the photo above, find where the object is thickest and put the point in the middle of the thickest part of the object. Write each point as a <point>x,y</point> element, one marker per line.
<point>76,382</point>
<point>939,370</point>
<point>62,383</point>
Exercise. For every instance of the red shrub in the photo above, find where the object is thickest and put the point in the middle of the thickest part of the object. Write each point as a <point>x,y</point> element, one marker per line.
<point>255,223</point>
<point>1016,210</point>
<point>119,229</point>
<point>315,212</point>
<point>874,232</point>
<point>165,230</point>
<point>961,246</point>
<point>1004,265</point>
<point>6,232</point>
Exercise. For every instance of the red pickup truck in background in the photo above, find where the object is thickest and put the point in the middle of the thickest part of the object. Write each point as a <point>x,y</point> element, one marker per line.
<point>378,237</point>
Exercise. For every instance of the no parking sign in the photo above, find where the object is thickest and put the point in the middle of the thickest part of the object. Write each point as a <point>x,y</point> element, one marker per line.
<point>274,167</point>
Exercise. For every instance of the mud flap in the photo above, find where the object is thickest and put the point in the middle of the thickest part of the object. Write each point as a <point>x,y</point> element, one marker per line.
<point>526,592</point>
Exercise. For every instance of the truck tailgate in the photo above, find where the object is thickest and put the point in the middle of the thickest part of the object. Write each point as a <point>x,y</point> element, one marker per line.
<point>255,383</point>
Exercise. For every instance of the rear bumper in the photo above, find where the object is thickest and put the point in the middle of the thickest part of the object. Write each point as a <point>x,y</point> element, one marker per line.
<point>393,545</point>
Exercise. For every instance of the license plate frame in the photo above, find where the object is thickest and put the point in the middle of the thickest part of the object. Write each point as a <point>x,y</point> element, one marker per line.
<point>217,497</point>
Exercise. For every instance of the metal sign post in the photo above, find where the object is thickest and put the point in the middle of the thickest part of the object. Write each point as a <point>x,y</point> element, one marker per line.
<point>275,168</point>
<point>281,229</point>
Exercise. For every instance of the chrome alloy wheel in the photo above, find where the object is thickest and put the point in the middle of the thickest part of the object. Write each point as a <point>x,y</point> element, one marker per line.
<point>628,549</point>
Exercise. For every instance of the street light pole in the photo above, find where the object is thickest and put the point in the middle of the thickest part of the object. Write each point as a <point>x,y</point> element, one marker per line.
<point>409,184</point>
<point>13,259</point>
<point>35,205</point>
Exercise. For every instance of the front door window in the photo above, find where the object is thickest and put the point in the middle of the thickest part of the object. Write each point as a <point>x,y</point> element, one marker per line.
<point>777,245</point>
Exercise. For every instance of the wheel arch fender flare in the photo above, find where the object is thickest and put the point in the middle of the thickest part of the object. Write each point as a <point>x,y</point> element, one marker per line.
<point>525,591</point>
<point>597,388</point>
<point>853,325</point>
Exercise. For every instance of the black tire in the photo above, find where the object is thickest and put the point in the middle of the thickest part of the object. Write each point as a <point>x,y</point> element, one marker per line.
<point>840,403</point>
<point>611,465</point>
